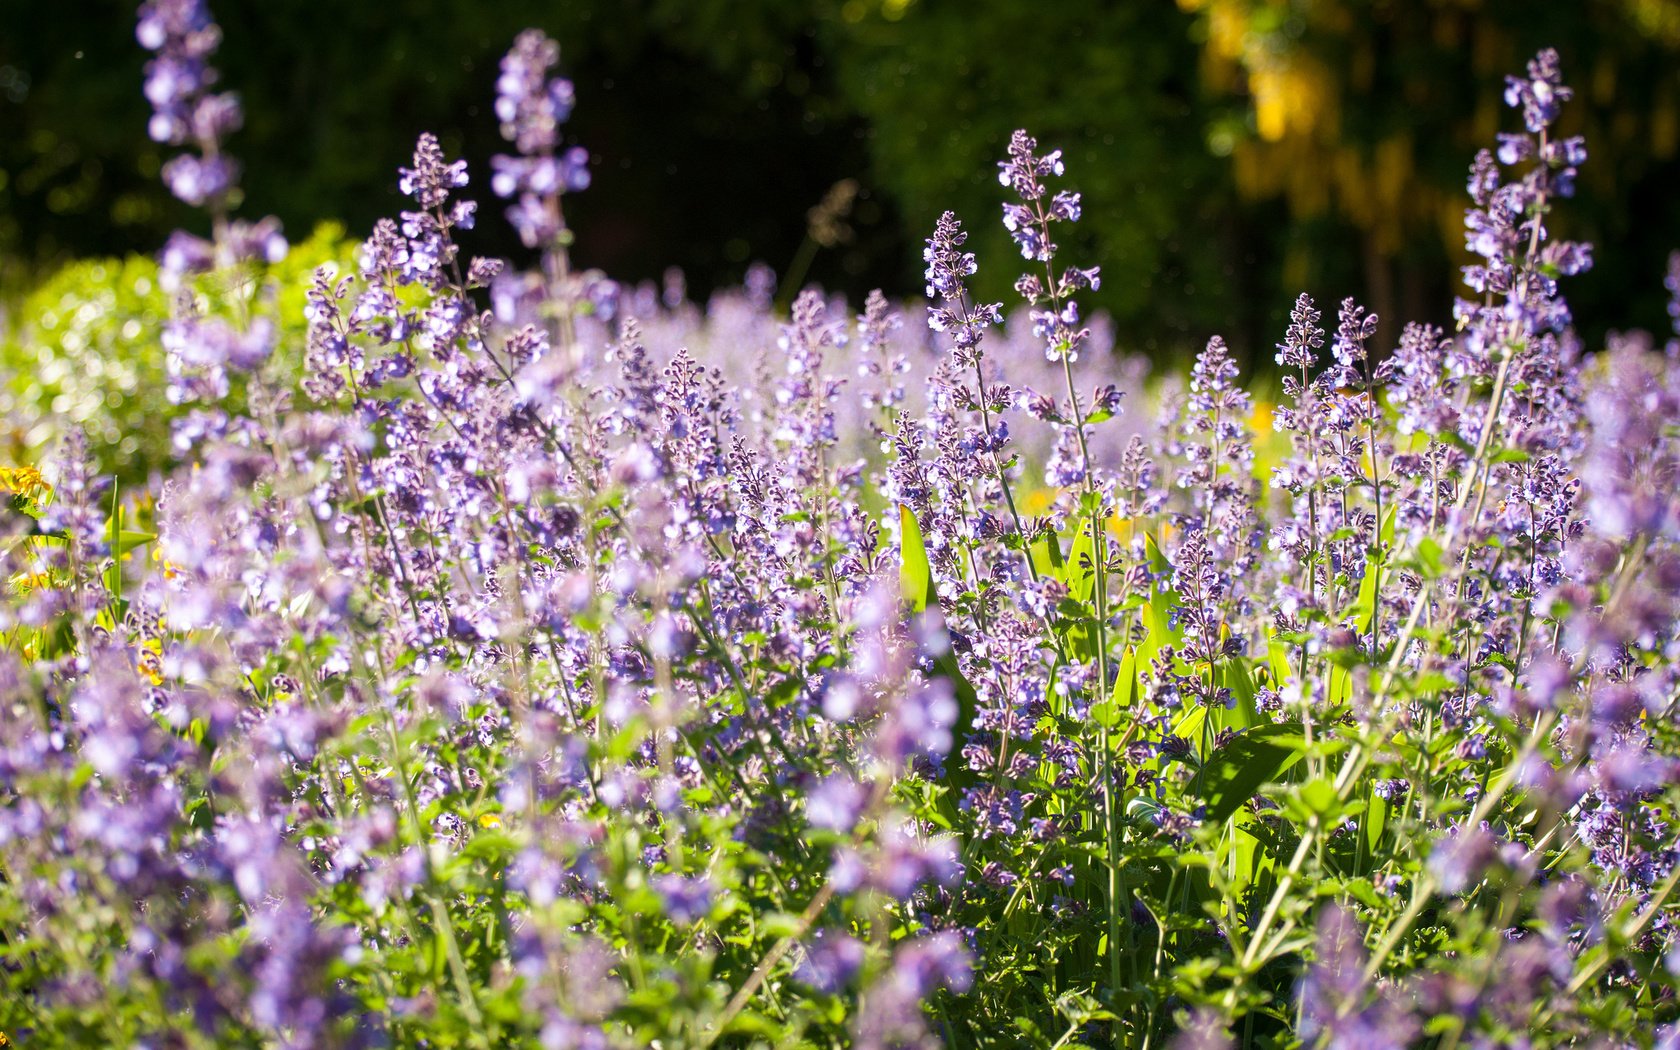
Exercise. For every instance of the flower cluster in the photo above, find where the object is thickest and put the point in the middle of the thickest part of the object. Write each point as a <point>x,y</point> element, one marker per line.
<point>1030,220</point>
<point>601,671</point>
<point>532,106</point>
<point>184,108</point>
<point>186,111</point>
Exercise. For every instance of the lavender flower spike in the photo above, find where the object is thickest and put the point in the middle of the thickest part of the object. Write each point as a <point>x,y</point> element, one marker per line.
<point>532,106</point>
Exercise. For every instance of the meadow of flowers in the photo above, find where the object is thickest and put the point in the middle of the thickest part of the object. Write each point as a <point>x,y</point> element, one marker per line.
<point>515,658</point>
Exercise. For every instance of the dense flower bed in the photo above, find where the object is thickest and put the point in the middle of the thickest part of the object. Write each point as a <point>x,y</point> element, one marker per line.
<point>496,670</point>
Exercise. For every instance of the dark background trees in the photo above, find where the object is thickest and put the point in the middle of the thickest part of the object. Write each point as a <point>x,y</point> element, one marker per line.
<point>1231,152</point>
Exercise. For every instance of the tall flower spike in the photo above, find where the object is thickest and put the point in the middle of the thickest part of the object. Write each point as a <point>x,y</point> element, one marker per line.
<point>1542,94</point>
<point>1055,315</point>
<point>430,254</point>
<point>948,270</point>
<point>1506,228</point>
<point>1304,338</point>
<point>179,79</point>
<point>186,112</point>
<point>184,109</point>
<point>532,106</point>
<point>1672,282</point>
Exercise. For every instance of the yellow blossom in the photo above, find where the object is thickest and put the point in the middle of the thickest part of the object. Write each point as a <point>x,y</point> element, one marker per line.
<point>24,582</point>
<point>24,481</point>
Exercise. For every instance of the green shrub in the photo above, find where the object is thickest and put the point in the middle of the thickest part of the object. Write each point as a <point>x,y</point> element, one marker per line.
<point>86,354</point>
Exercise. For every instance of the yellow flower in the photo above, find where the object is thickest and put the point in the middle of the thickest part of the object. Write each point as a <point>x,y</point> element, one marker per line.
<point>490,820</point>
<point>1260,420</point>
<point>1124,528</point>
<point>168,567</point>
<point>24,481</point>
<point>24,582</point>
<point>150,660</point>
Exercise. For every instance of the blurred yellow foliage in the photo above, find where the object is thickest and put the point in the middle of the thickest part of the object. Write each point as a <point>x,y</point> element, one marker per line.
<point>1300,61</point>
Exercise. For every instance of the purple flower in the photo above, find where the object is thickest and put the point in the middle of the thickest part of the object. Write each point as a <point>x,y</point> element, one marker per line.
<point>1024,171</point>
<point>183,37</point>
<point>1460,859</point>
<point>1338,1005</point>
<point>1541,94</point>
<point>891,1012</point>
<point>830,962</point>
<point>433,176</point>
<point>836,803</point>
<point>1055,315</point>
<point>948,270</point>
<point>200,182</point>
<point>532,107</point>
<point>187,113</point>
<point>918,725</point>
<point>686,900</point>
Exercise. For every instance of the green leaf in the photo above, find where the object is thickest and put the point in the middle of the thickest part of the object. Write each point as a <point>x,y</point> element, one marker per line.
<point>1237,771</point>
<point>1234,675</point>
<point>1319,796</point>
<point>1429,556</point>
<point>1126,686</point>
<point>779,924</point>
<point>1107,713</point>
<point>128,539</point>
<point>1339,689</point>
<point>1079,635</point>
<point>1242,855</point>
<point>1189,726</point>
<point>1376,821</point>
<point>915,575</point>
<point>1046,554</point>
<point>1157,610</point>
<point>1277,657</point>
<point>491,845</point>
<point>1080,571</point>
<point>1365,604</point>
<point>1142,807</point>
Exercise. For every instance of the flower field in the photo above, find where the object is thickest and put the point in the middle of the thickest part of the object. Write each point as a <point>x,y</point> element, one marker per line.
<point>494,657</point>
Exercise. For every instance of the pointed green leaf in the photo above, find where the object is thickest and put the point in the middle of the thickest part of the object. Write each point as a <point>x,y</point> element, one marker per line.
<point>1080,572</point>
<point>1157,610</point>
<point>1376,821</point>
<point>915,575</point>
<point>1107,713</point>
<point>1247,762</point>
<point>1277,658</point>
<point>128,539</point>
<point>1234,675</point>
<point>1340,688</point>
<point>1126,686</point>
<point>1046,554</point>
<point>1365,603</point>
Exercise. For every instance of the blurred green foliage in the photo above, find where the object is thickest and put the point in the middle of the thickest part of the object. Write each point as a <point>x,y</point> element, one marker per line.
<point>87,353</point>
<point>1232,152</point>
<point>1115,88</point>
